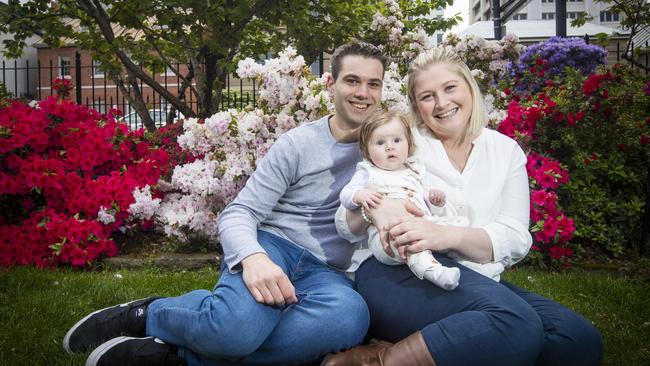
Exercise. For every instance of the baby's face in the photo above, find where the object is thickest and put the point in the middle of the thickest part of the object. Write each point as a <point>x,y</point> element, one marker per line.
<point>389,148</point>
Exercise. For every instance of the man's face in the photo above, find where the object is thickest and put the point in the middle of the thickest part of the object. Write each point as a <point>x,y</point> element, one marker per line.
<point>357,90</point>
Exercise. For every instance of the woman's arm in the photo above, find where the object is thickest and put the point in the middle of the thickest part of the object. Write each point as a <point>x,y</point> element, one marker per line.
<point>414,235</point>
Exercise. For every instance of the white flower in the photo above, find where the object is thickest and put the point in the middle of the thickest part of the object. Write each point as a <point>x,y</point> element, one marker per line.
<point>106,216</point>
<point>248,68</point>
<point>145,206</point>
<point>478,74</point>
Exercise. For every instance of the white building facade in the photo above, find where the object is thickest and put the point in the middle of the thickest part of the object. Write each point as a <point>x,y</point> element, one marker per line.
<point>480,10</point>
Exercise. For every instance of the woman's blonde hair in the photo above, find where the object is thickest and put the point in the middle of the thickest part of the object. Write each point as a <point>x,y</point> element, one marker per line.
<point>378,119</point>
<point>446,55</point>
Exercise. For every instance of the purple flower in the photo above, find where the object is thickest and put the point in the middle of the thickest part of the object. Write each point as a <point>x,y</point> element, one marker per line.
<point>558,53</point>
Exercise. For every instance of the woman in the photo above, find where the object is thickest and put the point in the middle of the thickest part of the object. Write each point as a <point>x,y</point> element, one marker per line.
<point>485,321</point>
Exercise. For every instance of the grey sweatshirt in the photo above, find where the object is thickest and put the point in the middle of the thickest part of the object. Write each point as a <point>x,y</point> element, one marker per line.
<point>293,193</point>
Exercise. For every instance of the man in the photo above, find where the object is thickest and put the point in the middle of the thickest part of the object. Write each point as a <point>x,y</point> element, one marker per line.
<point>283,281</point>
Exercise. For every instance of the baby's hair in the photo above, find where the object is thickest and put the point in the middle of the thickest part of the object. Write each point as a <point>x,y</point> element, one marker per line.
<point>378,119</point>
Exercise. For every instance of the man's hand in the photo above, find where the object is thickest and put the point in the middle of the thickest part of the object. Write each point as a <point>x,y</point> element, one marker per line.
<point>367,198</point>
<point>266,281</point>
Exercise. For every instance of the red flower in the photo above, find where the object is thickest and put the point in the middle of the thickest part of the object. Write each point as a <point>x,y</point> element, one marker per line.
<point>558,253</point>
<point>644,139</point>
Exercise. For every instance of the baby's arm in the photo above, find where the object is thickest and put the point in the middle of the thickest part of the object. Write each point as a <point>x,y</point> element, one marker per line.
<point>367,198</point>
<point>355,193</point>
<point>437,197</point>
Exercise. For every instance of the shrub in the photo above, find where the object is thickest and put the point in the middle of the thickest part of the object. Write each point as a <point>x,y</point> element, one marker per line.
<point>597,126</point>
<point>549,59</point>
<point>67,175</point>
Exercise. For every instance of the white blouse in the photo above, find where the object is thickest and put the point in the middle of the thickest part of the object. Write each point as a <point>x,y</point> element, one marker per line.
<point>492,192</point>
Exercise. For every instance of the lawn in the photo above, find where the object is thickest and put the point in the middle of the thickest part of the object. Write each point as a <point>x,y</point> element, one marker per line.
<point>37,307</point>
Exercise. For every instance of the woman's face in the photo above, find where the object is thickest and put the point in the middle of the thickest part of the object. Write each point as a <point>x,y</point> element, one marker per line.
<point>444,100</point>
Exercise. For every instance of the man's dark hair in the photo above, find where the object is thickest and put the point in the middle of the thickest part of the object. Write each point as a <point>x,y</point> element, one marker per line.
<point>363,49</point>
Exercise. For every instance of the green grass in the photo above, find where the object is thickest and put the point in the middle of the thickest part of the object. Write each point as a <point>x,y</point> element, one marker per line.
<point>37,307</point>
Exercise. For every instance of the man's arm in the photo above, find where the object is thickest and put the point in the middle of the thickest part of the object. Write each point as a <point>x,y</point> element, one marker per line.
<point>239,221</point>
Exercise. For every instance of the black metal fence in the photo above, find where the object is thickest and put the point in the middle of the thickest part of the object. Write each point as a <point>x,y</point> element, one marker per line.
<point>94,90</point>
<point>619,54</point>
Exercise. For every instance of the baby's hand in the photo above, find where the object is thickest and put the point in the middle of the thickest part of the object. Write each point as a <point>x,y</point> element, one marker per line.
<point>367,198</point>
<point>437,197</point>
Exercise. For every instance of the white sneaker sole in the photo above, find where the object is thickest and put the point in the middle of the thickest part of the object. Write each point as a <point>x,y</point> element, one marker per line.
<point>94,357</point>
<point>66,339</point>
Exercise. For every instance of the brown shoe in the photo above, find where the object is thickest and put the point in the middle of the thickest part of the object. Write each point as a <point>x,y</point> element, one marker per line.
<point>365,355</point>
<point>410,351</point>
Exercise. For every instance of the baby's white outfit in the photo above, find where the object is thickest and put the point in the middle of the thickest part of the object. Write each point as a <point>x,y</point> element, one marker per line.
<point>407,183</point>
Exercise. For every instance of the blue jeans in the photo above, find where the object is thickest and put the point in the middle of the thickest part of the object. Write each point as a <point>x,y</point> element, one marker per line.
<point>481,322</point>
<point>227,324</point>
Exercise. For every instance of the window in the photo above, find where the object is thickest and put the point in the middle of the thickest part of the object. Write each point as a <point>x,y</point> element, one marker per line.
<point>573,14</point>
<point>548,16</point>
<point>97,72</point>
<point>439,38</point>
<point>608,16</point>
<point>487,15</point>
<point>476,9</point>
<point>99,106</point>
<point>573,1</point>
<point>520,16</point>
<point>64,66</point>
<point>548,1</point>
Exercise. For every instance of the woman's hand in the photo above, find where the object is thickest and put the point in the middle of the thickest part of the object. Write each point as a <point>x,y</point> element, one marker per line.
<point>415,234</point>
<point>387,214</point>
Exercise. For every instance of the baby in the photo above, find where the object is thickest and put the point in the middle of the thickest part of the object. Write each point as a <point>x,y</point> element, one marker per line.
<point>390,170</point>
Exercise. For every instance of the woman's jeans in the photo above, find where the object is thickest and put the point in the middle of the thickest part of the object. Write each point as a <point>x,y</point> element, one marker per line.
<point>227,324</point>
<point>481,322</point>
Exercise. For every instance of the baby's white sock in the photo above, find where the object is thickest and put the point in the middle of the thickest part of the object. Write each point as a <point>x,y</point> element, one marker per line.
<point>444,277</point>
<point>425,266</point>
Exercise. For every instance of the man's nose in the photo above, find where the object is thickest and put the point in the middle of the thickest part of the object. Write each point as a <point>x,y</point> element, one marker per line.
<point>362,90</point>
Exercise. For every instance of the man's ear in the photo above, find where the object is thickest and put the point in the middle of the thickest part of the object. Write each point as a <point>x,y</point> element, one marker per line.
<point>330,84</point>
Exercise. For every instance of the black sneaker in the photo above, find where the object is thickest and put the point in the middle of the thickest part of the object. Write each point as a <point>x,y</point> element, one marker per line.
<point>98,327</point>
<point>148,351</point>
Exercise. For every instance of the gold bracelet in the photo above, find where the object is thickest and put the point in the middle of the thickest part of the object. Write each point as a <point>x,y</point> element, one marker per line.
<point>365,217</point>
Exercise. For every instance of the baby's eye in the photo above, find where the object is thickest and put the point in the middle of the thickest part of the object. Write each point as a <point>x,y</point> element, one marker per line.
<point>397,140</point>
<point>380,142</point>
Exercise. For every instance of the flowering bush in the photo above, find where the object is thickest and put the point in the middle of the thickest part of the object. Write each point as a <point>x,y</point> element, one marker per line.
<point>62,88</point>
<point>596,124</point>
<point>548,59</point>
<point>488,60</point>
<point>66,180</point>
